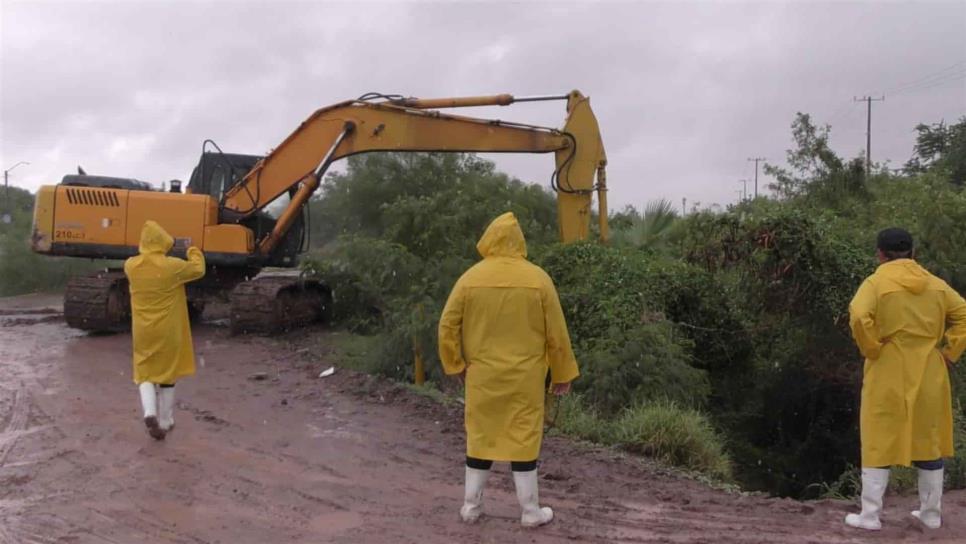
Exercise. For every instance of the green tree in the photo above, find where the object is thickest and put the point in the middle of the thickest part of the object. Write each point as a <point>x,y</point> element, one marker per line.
<point>941,148</point>
<point>816,170</point>
<point>431,203</point>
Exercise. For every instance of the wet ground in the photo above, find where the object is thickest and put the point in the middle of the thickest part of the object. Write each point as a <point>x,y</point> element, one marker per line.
<point>266,451</point>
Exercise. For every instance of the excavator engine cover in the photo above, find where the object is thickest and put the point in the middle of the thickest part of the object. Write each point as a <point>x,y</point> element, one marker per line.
<point>75,180</point>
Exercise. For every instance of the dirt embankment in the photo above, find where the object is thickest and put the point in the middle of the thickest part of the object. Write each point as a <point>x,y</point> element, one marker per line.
<point>266,451</point>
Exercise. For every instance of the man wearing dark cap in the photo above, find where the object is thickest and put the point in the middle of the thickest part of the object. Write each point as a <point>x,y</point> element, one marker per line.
<point>910,327</point>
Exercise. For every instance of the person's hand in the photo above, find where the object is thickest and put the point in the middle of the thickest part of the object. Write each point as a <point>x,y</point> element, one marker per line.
<point>560,389</point>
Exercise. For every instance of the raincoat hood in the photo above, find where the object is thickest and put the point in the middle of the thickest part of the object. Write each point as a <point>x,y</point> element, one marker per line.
<point>503,238</point>
<point>905,273</point>
<point>155,239</point>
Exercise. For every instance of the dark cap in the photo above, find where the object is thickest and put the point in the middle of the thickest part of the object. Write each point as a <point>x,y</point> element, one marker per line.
<point>894,239</point>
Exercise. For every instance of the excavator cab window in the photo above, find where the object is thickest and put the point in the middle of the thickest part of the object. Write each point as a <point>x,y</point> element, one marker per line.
<point>218,172</point>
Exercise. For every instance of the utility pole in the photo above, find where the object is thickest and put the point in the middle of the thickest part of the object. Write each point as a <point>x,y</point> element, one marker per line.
<point>744,184</point>
<point>6,218</point>
<point>684,206</point>
<point>868,131</point>
<point>756,160</point>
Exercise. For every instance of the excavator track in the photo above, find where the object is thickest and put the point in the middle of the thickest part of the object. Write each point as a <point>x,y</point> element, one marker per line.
<point>98,302</point>
<point>272,304</point>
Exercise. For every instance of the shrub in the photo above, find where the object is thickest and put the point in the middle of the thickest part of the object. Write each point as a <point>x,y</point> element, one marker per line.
<point>661,430</point>
<point>600,289</point>
<point>681,437</point>
<point>645,363</point>
<point>367,277</point>
<point>615,301</point>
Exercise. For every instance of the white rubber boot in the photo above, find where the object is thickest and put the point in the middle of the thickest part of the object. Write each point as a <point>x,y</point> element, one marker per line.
<point>149,403</point>
<point>533,514</point>
<point>930,498</point>
<point>473,496</point>
<point>166,408</point>
<point>874,484</point>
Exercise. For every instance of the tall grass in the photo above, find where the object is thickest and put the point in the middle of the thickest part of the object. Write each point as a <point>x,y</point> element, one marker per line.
<point>678,436</point>
<point>662,430</point>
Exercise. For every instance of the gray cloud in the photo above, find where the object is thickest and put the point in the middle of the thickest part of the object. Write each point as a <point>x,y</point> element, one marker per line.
<point>685,92</point>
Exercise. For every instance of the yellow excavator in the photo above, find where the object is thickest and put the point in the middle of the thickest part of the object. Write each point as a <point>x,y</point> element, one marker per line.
<point>223,209</point>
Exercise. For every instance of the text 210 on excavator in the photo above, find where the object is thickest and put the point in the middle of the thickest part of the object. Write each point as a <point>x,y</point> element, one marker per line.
<point>223,210</point>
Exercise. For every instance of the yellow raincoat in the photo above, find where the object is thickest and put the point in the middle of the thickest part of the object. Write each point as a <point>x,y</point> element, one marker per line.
<point>899,319</point>
<point>503,324</point>
<point>160,329</point>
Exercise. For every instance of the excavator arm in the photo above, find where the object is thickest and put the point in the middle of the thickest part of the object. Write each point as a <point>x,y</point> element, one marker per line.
<point>360,126</point>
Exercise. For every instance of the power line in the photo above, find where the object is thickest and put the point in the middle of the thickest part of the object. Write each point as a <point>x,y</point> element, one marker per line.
<point>951,78</point>
<point>933,81</point>
<point>955,67</point>
<point>846,109</point>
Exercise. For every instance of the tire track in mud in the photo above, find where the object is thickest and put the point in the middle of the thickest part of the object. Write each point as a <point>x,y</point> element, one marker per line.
<point>11,530</point>
<point>17,423</point>
<point>27,427</point>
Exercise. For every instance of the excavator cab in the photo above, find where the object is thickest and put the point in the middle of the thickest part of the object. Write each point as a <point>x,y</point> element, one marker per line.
<point>217,172</point>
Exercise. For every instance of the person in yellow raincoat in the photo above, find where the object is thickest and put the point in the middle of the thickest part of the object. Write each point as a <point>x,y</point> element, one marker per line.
<point>910,326</point>
<point>502,329</point>
<point>160,330</point>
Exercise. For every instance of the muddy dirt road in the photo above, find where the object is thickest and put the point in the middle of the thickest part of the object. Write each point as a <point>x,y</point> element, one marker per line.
<point>265,451</point>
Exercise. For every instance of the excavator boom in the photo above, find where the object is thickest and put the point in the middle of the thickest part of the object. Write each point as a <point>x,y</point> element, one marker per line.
<point>361,126</point>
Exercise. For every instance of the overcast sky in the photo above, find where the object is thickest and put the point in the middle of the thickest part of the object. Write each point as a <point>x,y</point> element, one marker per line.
<point>685,91</point>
